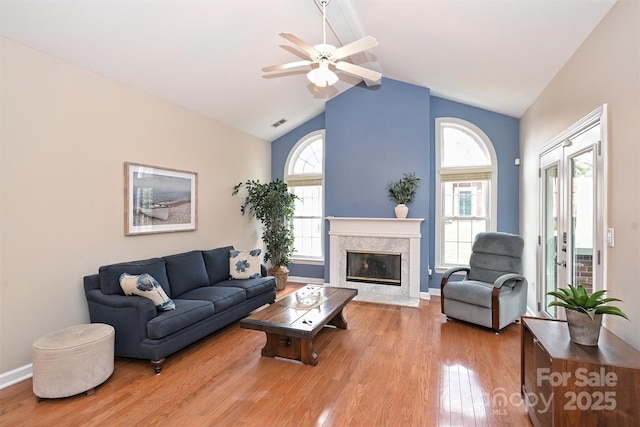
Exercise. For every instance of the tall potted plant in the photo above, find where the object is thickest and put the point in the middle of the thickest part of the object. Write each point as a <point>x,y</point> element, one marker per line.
<point>584,312</point>
<point>272,205</point>
<point>403,192</point>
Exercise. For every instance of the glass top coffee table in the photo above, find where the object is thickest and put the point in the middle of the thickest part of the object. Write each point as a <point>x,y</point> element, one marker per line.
<point>291,327</point>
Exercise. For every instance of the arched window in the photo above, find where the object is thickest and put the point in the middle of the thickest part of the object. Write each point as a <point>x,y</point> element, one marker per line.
<point>304,173</point>
<point>466,189</point>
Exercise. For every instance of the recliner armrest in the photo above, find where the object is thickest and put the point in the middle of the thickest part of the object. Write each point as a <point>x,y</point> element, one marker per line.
<point>511,277</point>
<point>445,280</point>
<point>452,270</point>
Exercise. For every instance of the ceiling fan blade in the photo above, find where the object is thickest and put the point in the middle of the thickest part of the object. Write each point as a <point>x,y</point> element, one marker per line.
<point>301,44</point>
<point>364,43</point>
<point>286,66</point>
<point>359,71</point>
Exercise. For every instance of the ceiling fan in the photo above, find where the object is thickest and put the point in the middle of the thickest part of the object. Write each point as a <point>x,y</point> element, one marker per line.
<point>328,57</point>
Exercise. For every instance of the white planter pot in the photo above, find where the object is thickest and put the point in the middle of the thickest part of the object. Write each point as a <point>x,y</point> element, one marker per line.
<point>401,211</point>
<point>582,329</point>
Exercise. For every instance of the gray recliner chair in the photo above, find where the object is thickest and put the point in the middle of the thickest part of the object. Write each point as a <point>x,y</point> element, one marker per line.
<point>493,293</point>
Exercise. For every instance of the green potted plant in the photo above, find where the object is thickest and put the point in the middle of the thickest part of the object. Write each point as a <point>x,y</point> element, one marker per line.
<point>272,205</point>
<point>584,312</point>
<point>403,192</point>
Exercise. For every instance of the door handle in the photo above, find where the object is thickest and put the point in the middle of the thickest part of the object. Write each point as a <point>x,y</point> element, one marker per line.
<point>563,263</point>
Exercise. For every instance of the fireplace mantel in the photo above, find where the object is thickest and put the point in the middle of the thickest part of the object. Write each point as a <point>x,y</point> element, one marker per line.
<point>400,235</point>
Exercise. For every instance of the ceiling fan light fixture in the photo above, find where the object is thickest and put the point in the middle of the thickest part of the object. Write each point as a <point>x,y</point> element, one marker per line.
<point>322,76</point>
<point>324,54</point>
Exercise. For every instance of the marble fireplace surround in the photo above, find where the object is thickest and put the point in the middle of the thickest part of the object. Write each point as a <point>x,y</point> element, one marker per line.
<point>377,234</point>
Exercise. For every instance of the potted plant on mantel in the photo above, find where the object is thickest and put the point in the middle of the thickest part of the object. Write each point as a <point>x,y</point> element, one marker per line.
<point>403,192</point>
<point>584,312</point>
<point>272,205</point>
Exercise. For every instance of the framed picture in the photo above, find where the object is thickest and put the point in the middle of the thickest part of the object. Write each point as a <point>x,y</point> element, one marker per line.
<point>159,200</point>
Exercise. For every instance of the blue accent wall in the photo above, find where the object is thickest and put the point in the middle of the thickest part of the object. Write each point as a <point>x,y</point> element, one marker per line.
<point>504,133</point>
<point>374,135</point>
<point>306,270</point>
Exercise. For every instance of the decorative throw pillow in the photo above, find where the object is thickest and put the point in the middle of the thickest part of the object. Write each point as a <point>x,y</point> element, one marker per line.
<point>146,286</point>
<point>244,265</point>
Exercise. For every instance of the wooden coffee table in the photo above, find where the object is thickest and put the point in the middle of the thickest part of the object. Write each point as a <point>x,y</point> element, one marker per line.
<point>290,328</point>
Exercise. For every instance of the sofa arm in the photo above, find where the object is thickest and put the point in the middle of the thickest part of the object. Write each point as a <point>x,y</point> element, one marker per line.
<point>114,302</point>
<point>127,314</point>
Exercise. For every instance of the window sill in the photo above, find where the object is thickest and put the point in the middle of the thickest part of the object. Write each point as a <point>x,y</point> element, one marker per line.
<point>442,270</point>
<point>308,261</point>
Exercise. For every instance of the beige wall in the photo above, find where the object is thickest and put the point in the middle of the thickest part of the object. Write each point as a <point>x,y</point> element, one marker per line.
<point>605,69</point>
<point>65,135</point>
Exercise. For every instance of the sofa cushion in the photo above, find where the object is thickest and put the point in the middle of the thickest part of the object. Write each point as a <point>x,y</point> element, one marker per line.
<point>217,263</point>
<point>221,297</point>
<point>187,313</point>
<point>473,292</point>
<point>252,287</point>
<point>146,286</point>
<point>110,274</point>
<point>244,264</point>
<point>186,271</point>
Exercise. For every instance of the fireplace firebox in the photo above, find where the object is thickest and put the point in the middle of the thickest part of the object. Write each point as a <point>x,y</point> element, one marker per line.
<point>374,267</point>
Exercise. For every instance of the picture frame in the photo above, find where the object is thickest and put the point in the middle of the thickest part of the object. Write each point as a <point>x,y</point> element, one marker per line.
<point>159,200</point>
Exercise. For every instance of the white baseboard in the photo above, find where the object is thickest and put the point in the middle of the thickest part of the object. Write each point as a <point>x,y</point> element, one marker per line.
<point>531,313</point>
<point>13,377</point>
<point>305,280</point>
<point>316,281</point>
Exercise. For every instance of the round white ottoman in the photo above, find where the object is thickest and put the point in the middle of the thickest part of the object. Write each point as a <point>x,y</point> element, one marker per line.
<point>72,360</point>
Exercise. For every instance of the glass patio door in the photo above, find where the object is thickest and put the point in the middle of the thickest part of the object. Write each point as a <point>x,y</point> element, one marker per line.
<point>551,215</point>
<point>572,215</point>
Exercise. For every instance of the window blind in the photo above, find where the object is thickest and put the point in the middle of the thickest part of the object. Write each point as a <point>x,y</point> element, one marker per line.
<point>465,176</point>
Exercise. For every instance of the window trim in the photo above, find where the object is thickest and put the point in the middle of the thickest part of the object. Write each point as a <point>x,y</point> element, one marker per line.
<point>295,151</point>
<point>308,179</point>
<point>492,215</point>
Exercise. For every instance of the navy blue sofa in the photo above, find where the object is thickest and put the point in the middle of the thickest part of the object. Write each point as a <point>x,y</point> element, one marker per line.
<point>198,282</point>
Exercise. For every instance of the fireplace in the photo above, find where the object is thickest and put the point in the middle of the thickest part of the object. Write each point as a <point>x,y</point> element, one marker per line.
<point>374,267</point>
<point>399,238</point>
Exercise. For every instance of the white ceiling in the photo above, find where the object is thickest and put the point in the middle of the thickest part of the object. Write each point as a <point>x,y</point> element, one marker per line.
<point>207,55</point>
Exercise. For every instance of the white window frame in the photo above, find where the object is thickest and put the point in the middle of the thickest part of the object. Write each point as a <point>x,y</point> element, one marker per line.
<point>292,178</point>
<point>492,214</point>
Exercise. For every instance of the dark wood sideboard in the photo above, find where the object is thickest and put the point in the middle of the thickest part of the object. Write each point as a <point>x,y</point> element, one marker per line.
<point>567,384</point>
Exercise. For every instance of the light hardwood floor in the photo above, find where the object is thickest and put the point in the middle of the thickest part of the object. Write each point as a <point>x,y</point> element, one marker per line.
<point>393,366</point>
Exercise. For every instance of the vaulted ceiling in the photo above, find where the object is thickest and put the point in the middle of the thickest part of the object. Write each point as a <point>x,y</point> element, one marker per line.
<point>207,55</point>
